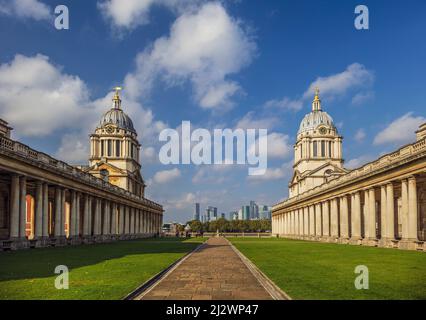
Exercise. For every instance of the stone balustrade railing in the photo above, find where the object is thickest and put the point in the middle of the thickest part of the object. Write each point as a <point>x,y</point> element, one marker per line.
<point>383,162</point>
<point>22,150</point>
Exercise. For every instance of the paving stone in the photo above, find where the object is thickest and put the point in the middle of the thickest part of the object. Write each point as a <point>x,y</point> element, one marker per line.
<point>213,273</point>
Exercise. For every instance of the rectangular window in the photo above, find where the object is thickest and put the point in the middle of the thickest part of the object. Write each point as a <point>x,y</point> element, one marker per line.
<point>102,148</point>
<point>315,149</point>
<point>109,148</point>
<point>131,150</point>
<point>323,148</point>
<point>329,149</point>
<point>117,148</point>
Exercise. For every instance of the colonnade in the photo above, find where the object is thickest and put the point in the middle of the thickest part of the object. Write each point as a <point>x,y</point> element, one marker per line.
<point>378,215</point>
<point>59,216</point>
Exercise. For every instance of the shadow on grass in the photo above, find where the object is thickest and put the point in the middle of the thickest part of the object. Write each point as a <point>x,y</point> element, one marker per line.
<point>40,263</point>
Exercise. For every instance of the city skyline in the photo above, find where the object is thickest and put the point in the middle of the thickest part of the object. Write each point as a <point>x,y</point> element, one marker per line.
<point>266,79</point>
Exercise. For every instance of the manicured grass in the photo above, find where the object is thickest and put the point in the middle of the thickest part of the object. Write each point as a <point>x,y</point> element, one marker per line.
<point>103,271</point>
<point>314,270</point>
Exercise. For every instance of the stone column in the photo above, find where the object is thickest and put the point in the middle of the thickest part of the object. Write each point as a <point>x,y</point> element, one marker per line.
<point>77,216</point>
<point>86,216</point>
<point>58,212</point>
<point>107,218</point>
<point>14,206</point>
<point>97,222</point>
<point>301,222</point>
<point>390,212</point>
<point>404,208</point>
<point>412,209</point>
<point>311,221</point>
<point>22,206</point>
<point>306,220</point>
<point>371,225</point>
<point>356,216</point>
<point>114,219</point>
<point>121,220</point>
<point>344,218</point>
<point>132,221</point>
<point>334,219</point>
<point>325,219</point>
<point>126,220</point>
<point>73,215</point>
<point>383,223</point>
<point>62,227</point>
<point>318,220</point>
<point>39,210</point>
<point>45,228</point>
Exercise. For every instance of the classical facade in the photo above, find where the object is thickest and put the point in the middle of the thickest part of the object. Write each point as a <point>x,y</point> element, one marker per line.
<point>47,202</point>
<point>382,203</point>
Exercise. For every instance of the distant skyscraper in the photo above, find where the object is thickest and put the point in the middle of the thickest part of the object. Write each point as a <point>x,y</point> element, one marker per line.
<point>240,214</point>
<point>246,212</point>
<point>197,212</point>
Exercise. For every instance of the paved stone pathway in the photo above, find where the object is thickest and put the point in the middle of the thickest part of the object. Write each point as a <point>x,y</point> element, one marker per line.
<point>215,272</point>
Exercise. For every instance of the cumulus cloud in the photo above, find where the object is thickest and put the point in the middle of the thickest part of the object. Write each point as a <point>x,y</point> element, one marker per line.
<point>129,14</point>
<point>271,174</point>
<point>166,176</point>
<point>359,161</point>
<point>355,77</point>
<point>251,121</point>
<point>400,131</point>
<point>39,100</point>
<point>362,97</point>
<point>31,9</point>
<point>279,145</point>
<point>204,47</point>
<point>360,135</point>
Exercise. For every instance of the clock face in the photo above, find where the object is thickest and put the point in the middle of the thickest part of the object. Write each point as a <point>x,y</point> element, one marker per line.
<point>322,130</point>
<point>109,129</point>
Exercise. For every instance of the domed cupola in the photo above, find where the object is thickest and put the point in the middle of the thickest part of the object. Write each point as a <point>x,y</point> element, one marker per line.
<point>316,117</point>
<point>317,151</point>
<point>116,116</point>
<point>115,150</point>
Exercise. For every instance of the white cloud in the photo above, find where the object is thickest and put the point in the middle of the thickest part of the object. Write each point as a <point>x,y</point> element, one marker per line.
<point>400,131</point>
<point>39,100</point>
<point>148,155</point>
<point>358,162</point>
<point>360,135</point>
<point>285,103</point>
<point>273,173</point>
<point>32,9</point>
<point>166,176</point>
<point>362,97</point>
<point>355,77</point>
<point>205,46</point>
<point>129,14</point>
<point>251,121</point>
<point>215,173</point>
<point>279,145</point>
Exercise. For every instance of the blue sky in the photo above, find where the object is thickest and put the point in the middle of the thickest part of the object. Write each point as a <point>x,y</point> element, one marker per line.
<point>257,70</point>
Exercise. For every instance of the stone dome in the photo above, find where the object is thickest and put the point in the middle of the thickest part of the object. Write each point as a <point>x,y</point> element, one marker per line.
<point>315,118</point>
<point>118,118</point>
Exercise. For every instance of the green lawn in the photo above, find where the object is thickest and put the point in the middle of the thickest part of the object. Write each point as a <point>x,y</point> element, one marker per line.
<point>103,271</point>
<point>314,270</point>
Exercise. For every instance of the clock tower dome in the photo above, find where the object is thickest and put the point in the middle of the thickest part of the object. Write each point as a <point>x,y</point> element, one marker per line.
<point>317,152</point>
<point>115,150</point>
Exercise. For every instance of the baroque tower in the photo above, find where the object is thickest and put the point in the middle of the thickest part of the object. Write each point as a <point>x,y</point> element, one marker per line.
<point>115,150</point>
<point>317,152</point>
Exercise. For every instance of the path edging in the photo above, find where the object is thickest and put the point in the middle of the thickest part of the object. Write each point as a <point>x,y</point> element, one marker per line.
<point>151,283</point>
<point>275,291</point>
